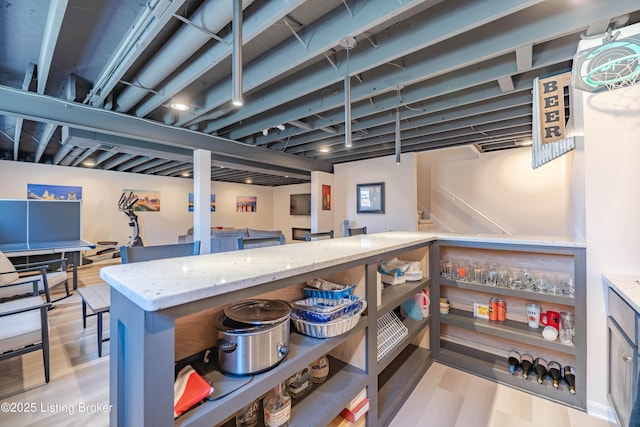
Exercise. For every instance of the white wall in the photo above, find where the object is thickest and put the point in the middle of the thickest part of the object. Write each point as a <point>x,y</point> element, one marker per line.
<point>400,193</point>
<point>502,187</point>
<point>101,219</point>
<point>612,180</point>
<point>322,220</point>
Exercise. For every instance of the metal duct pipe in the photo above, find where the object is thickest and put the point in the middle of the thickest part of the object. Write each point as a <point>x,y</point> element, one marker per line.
<point>212,16</point>
<point>398,148</point>
<point>236,96</point>
<point>348,142</point>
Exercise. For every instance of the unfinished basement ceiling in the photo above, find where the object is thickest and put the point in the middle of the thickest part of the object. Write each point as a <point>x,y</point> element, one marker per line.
<point>91,83</point>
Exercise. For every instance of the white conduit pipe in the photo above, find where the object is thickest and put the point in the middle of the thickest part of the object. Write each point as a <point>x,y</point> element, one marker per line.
<point>236,95</point>
<point>398,148</point>
<point>348,142</point>
<point>212,16</point>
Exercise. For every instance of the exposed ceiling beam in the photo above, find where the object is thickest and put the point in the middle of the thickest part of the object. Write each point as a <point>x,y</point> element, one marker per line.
<point>48,109</point>
<point>45,137</point>
<point>543,21</point>
<point>253,26</point>
<point>325,34</point>
<point>154,18</point>
<point>57,9</point>
<point>464,86</point>
<point>425,29</point>
<point>83,138</point>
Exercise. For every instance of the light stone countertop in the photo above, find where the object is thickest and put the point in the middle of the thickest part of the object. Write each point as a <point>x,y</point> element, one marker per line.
<point>155,285</point>
<point>627,286</point>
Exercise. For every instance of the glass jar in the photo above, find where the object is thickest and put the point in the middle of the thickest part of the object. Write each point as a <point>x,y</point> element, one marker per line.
<point>277,407</point>
<point>319,370</point>
<point>299,385</point>
<point>248,416</point>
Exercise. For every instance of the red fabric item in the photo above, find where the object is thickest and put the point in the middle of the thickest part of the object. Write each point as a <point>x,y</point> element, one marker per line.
<point>188,389</point>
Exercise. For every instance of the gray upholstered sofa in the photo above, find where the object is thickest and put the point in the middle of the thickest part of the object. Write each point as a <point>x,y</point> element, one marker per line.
<point>226,240</point>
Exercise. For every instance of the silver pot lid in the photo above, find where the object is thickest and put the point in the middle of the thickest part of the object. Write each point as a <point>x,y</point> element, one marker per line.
<point>259,311</point>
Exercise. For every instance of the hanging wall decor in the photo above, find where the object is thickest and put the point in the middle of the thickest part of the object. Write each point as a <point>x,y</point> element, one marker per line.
<point>326,197</point>
<point>246,203</point>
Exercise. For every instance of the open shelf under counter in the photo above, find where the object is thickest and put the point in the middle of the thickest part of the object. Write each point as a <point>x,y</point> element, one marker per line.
<point>302,351</point>
<point>510,329</point>
<point>495,368</point>
<point>394,295</point>
<point>326,400</point>
<point>414,328</point>
<point>501,290</point>
<point>396,382</point>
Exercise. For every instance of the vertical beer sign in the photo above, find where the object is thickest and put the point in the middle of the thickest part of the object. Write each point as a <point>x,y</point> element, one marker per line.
<point>551,103</point>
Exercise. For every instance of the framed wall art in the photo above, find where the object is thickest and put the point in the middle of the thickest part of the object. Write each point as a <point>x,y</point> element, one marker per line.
<point>370,198</point>
<point>326,197</point>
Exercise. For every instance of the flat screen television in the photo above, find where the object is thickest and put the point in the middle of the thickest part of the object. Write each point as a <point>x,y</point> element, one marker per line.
<point>300,204</point>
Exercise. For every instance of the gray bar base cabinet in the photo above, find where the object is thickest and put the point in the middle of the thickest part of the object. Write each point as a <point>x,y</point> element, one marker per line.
<point>143,347</point>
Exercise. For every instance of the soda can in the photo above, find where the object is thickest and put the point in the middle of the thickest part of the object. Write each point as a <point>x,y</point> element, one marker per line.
<point>502,310</point>
<point>493,309</point>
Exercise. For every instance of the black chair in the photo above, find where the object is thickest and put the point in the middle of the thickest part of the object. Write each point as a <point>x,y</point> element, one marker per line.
<point>131,254</point>
<point>356,231</point>
<point>246,242</point>
<point>308,236</point>
<point>24,327</point>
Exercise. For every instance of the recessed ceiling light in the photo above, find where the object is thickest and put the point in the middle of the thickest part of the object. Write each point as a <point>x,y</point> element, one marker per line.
<point>89,162</point>
<point>185,174</point>
<point>249,181</point>
<point>179,106</point>
<point>324,149</point>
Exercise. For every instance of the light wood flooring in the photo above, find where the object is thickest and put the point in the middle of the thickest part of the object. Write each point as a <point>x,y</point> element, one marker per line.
<point>445,396</point>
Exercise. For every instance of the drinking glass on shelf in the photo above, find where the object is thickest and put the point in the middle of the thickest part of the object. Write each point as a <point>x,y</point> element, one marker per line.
<point>503,276</point>
<point>462,270</point>
<point>492,275</point>
<point>449,269</point>
<point>477,273</point>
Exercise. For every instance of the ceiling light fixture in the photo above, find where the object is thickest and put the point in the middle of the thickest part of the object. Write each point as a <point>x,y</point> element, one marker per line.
<point>179,106</point>
<point>398,148</point>
<point>280,127</point>
<point>89,162</point>
<point>236,96</point>
<point>324,149</point>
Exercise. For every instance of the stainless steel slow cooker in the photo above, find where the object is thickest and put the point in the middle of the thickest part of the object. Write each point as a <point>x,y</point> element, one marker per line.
<point>253,336</point>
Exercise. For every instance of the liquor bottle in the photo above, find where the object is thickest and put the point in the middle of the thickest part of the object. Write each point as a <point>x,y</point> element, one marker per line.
<point>555,370</point>
<point>570,378</point>
<point>541,369</point>
<point>248,416</point>
<point>514,361</point>
<point>527,364</point>
<point>277,407</point>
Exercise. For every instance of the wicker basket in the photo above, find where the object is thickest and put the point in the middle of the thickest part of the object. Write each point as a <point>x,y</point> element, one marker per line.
<point>329,329</point>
